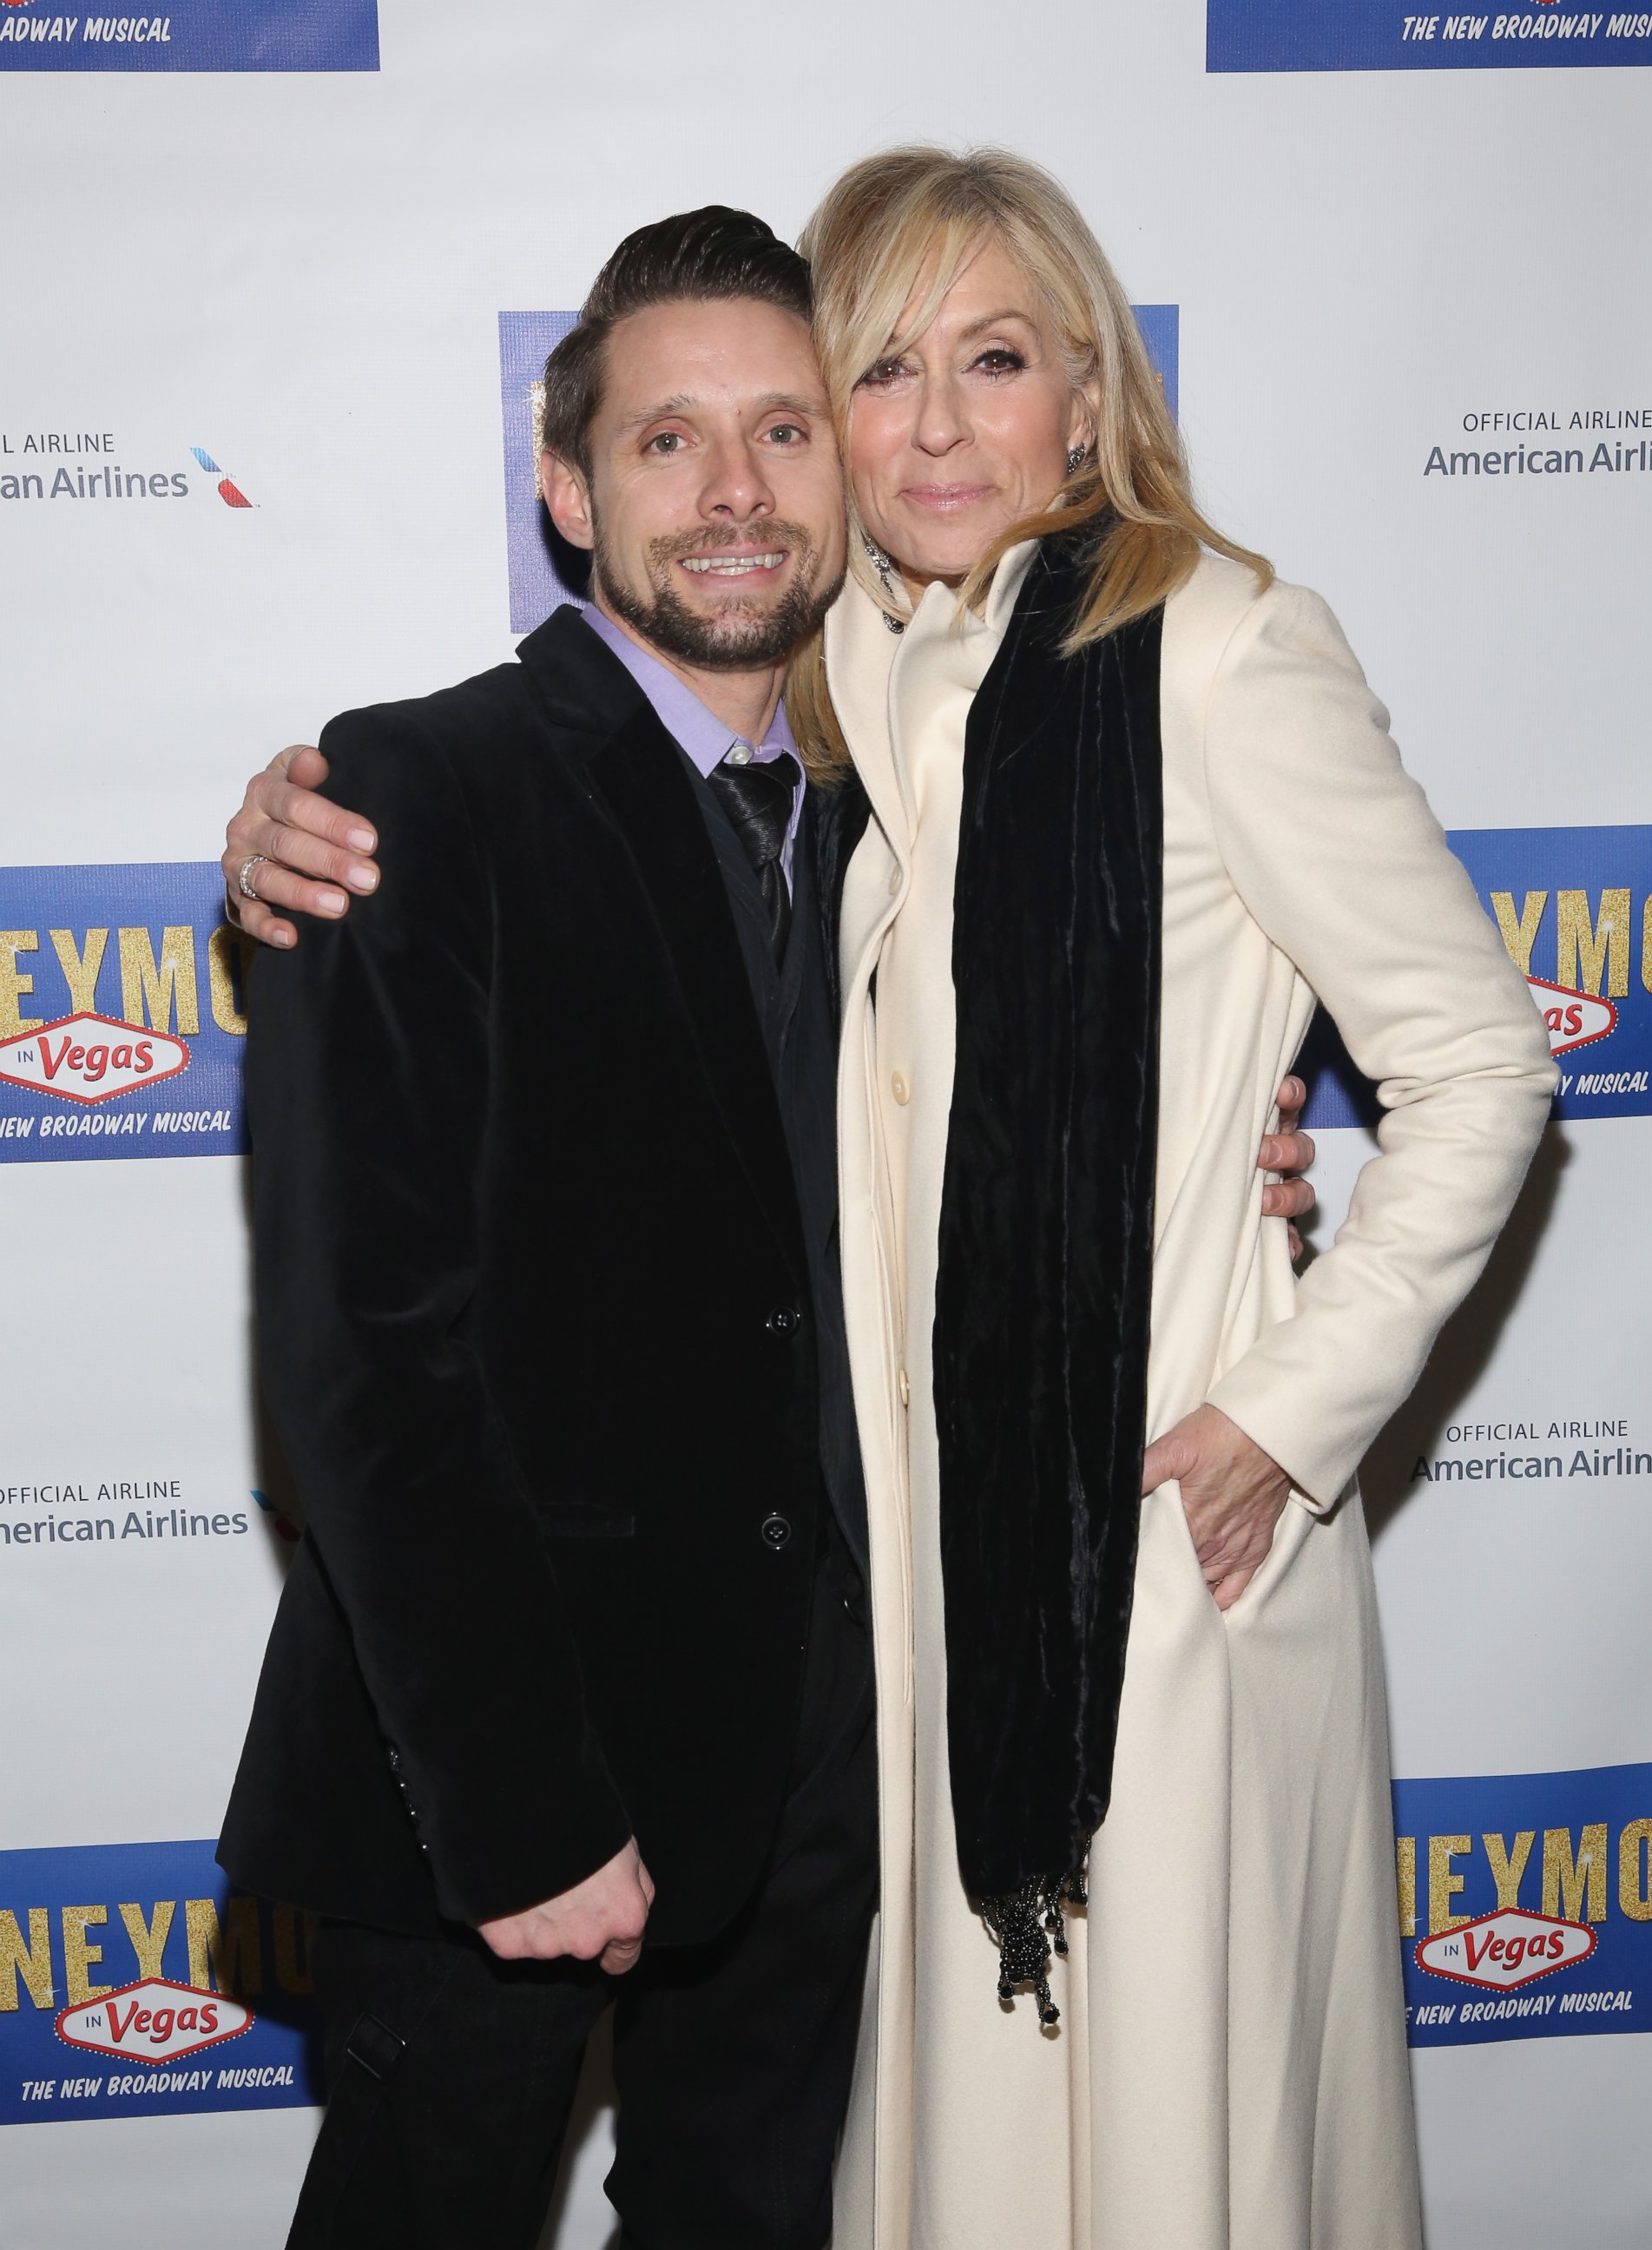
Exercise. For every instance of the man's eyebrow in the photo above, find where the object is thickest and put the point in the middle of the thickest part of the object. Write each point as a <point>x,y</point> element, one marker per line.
<point>774,402</point>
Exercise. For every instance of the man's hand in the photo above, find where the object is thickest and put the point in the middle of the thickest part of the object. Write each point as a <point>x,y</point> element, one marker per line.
<point>601,1919</point>
<point>308,847</point>
<point>1233,1495</point>
<point>1290,1152</point>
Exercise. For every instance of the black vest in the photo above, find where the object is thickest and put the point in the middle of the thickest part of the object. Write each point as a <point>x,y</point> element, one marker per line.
<point>797,1010</point>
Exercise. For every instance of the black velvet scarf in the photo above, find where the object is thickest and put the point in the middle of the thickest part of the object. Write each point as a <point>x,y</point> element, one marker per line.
<point>1043,1291</point>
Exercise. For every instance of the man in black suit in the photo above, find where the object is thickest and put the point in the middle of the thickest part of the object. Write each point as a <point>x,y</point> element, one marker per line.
<point>568,1699</point>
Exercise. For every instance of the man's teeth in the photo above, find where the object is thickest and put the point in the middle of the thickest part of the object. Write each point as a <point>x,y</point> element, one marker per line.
<point>729,566</point>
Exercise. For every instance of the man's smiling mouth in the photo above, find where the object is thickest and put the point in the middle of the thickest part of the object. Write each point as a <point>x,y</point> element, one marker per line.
<point>732,566</point>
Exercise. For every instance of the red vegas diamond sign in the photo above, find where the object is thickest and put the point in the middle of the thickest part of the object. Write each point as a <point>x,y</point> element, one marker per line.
<point>1573,1019</point>
<point>155,2021</point>
<point>89,1059</point>
<point>1499,1951</point>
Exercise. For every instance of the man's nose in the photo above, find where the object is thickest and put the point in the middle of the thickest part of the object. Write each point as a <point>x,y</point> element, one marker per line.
<point>736,483</point>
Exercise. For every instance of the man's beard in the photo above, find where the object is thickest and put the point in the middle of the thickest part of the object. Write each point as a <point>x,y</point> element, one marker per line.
<point>743,635</point>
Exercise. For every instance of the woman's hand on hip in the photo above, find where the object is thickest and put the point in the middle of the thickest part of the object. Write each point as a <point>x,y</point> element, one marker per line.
<point>1233,1495</point>
<point>310,852</point>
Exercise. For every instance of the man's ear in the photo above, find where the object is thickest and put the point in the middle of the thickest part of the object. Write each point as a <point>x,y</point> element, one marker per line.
<point>567,497</point>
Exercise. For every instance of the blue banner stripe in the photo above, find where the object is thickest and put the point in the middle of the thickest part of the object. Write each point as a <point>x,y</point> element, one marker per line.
<point>193,35</point>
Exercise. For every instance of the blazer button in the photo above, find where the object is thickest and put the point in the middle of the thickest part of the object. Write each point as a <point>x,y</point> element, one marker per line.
<point>776,1532</point>
<point>783,1320</point>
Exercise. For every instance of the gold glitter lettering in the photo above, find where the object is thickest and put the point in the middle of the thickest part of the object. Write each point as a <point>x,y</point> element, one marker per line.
<point>1443,1886</point>
<point>31,1962</point>
<point>1405,1881</point>
<point>1522,934</point>
<point>227,1955</point>
<point>148,987</point>
<point>149,1938</point>
<point>79,1954</point>
<point>1568,1880</point>
<point>14,982</point>
<point>80,972</point>
<point>1506,1872</point>
<point>1634,1889</point>
<point>1588,953</point>
<point>228,955</point>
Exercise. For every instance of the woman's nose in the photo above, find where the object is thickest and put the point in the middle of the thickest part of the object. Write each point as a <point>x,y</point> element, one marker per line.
<point>942,421</point>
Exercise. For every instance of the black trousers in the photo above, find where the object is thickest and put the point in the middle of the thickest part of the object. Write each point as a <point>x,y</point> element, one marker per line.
<point>453,2073</point>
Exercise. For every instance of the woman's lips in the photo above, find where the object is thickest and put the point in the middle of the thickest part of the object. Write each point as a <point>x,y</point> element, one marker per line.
<point>945,498</point>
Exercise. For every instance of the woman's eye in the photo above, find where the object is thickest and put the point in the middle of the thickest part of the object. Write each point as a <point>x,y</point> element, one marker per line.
<point>1000,361</point>
<point>883,370</point>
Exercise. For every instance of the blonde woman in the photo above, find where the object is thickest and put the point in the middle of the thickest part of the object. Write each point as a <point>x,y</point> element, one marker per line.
<point>1121,1591</point>
<point>1071,751</point>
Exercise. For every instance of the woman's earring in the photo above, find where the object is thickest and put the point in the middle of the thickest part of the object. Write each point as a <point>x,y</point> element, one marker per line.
<point>1077,455</point>
<point>881,564</point>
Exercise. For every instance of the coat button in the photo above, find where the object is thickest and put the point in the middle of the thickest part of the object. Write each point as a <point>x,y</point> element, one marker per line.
<point>776,1532</point>
<point>783,1320</point>
<point>894,883</point>
<point>900,1087</point>
<point>906,1388</point>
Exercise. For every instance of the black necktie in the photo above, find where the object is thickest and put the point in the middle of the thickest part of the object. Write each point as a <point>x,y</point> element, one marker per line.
<point>759,799</point>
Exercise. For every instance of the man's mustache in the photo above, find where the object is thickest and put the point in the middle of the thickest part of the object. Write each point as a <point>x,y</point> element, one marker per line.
<point>795,538</point>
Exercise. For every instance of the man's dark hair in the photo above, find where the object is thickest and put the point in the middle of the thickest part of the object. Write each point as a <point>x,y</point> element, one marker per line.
<point>698,257</point>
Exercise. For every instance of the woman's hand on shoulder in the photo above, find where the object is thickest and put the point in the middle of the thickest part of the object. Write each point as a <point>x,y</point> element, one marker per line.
<point>1288,1153</point>
<point>299,852</point>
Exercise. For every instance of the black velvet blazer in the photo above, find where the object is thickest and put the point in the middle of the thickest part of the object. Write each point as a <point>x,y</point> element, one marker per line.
<point>532,1304</point>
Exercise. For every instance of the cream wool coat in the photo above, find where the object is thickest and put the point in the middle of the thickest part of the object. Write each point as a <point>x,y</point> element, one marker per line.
<point>1230,2071</point>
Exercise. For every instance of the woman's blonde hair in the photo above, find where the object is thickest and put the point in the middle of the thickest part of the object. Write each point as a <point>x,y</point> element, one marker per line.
<point>917,215</point>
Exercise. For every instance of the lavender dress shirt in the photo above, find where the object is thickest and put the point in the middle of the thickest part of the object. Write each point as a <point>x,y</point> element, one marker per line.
<point>703,738</point>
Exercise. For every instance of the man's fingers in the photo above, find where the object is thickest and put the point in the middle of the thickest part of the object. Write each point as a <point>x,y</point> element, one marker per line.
<point>1296,1152</point>
<point>620,1955</point>
<point>1288,1199</point>
<point>1290,1098</point>
<point>1286,1152</point>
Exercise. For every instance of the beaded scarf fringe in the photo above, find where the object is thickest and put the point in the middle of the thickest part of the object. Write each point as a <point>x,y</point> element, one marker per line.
<point>1025,1924</point>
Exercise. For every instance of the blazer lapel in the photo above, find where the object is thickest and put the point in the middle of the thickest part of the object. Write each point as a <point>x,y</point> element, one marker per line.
<point>637,772</point>
<point>838,818</point>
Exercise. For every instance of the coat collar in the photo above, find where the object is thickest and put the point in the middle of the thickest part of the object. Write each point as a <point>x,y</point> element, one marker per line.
<point>636,770</point>
<point>869,670</point>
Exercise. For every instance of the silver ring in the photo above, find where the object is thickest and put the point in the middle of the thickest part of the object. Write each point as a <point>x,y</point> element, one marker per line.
<point>243,881</point>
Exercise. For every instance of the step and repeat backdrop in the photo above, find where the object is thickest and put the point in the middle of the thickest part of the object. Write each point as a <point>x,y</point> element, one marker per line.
<point>280,278</point>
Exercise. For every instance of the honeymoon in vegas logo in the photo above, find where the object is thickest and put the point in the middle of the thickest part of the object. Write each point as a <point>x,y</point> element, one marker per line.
<point>1364,34</point>
<point>193,35</point>
<point>543,571</point>
<point>1573,908</point>
<point>1525,1904</point>
<point>132,1977</point>
<point>123,1014</point>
